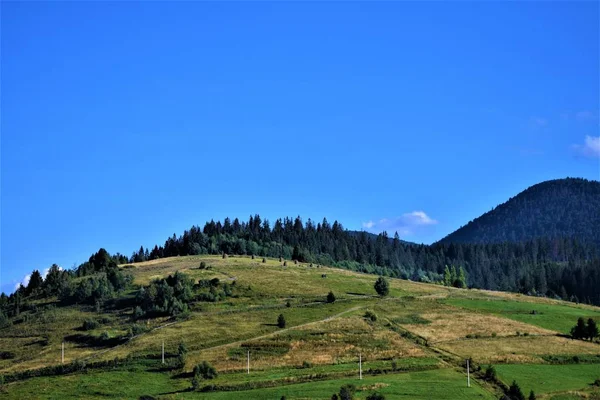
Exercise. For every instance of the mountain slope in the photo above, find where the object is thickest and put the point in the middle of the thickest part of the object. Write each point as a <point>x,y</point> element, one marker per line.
<point>558,208</point>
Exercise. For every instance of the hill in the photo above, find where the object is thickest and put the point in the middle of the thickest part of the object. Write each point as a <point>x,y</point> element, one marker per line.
<point>115,320</point>
<point>561,208</point>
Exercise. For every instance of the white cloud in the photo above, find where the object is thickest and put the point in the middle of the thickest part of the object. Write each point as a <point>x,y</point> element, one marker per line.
<point>590,148</point>
<point>368,225</point>
<point>24,282</point>
<point>406,224</point>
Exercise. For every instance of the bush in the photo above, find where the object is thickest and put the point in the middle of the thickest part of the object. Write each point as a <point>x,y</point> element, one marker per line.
<point>382,287</point>
<point>264,260</point>
<point>288,304</point>
<point>330,297</point>
<point>347,392</point>
<point>105,336</point>
<point>375,396</point>
<point>224,255</point>
<point>90,324</point>
<point>490,374</point>
<point>138,312</point>
<point>394,365</point>
<point>323,275</point>
<point>202,265</point>
<point>205,371</point>
<point>281,321</point>
<point>370,315</point>
<point>306,364</point>
<point>285,263</point>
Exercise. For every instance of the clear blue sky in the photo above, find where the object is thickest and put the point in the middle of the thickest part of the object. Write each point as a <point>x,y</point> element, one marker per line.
<point>123,123</point>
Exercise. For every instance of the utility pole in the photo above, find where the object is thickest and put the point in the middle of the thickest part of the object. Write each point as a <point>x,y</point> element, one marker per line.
<point>163,351</point>
<point>248,366</point>
<point>468,374</point>
<point>62,358</point>
<point>359,366</point>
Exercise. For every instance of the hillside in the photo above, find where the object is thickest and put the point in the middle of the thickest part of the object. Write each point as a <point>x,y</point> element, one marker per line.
<point>219,310</point>
<point>561,208</point>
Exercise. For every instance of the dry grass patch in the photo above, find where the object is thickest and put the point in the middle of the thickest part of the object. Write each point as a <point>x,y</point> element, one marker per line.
<point>518,349</point>
<point>456,325</point>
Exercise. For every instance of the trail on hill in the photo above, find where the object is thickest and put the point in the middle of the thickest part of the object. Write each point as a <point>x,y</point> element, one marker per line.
<point>332,317</point>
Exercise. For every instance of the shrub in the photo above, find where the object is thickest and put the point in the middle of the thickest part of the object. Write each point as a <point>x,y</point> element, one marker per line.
<point>288,304</point>
<point>285,263</point>
<point>370,315</point>
<point>382,287</point>
<point>202,265</point>
<point>205,371</point>
<point>281,321</point>
<point>375,396</point>
<point>264,260</point>
<point>330,297</point>
<point>347,392</point>
<point>224,255</point>
<point>323,275</point>
<point>490,373</point>
<point>138,312</point>
<point>253,256</point>
<point>306,364</point>
<point>394,365</point>
<point>90,324</point>
<point>105,336</point>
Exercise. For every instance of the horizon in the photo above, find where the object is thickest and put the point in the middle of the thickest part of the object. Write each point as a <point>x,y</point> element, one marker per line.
<point>120,137</point>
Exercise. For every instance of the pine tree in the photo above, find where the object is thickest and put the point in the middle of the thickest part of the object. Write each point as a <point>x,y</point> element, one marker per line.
<point>281,321</point>
<point>591,329</point>
<point>330,297</point>
<point>579,331</point>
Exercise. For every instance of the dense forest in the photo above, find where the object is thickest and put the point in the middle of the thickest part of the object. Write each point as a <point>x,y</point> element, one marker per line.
<point>553,209</point>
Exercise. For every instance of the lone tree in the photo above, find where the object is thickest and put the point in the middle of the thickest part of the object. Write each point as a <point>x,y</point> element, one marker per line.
<point>382,287</point>
<point>532,395</point>
<point>579,331</point>
<point>331,297</point>
<point>592,329</point>
<point>281,321</point>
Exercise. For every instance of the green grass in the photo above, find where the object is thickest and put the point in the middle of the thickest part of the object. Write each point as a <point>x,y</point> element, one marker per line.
<point>557,317</point>
<point>436,384</point>
<point>543,378</point>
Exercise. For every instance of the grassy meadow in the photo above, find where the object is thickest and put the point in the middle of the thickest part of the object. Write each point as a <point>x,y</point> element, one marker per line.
<point>413,348</point>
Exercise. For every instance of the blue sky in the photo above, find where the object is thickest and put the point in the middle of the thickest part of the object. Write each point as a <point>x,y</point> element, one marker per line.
<point>123,123</point>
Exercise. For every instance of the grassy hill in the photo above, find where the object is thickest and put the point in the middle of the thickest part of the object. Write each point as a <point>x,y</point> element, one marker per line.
<point>414,348</point>
<point>553,209</point>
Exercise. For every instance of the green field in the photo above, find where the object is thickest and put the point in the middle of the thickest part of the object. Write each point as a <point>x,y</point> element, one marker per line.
<point>438,384</point>
<point>550,378</point>
<point>414,347</point>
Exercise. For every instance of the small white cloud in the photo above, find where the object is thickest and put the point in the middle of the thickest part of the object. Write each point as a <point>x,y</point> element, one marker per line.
<point>24,282</point>
<point>405,225</point>
<point>590,148</point>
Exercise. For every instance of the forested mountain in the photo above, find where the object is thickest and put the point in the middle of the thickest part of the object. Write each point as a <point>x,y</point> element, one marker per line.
<point>553,209</point>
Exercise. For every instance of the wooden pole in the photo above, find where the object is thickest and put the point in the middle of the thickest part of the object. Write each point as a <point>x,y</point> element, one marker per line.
<point>163,352</point>
<point>468,375</point>
<point>248,366</point>
<point>62,358</point>
<point>359,366</point>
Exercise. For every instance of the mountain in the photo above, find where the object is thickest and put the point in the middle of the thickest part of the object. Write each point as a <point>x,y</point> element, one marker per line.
<point>560,208</point>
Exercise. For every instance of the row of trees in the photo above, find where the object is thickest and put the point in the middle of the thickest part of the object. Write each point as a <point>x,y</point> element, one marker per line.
<point>583,331</point>
<point>559,267</point>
